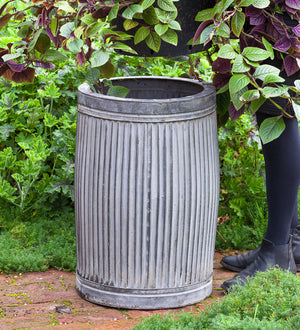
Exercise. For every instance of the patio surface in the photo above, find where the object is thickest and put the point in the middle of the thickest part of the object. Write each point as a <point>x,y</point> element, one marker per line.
<point>48,300</point>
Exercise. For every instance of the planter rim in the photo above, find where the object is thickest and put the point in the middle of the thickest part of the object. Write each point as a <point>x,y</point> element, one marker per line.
<point>208,89</point>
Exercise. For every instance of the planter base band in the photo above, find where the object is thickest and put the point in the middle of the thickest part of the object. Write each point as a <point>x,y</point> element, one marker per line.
<point>142,299</point>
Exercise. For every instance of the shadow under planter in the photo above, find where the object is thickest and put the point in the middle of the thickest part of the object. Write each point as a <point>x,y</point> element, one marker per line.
<point>146,193</point>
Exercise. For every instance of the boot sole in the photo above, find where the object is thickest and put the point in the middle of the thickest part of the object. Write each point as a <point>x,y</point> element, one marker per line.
<point>235,269</point>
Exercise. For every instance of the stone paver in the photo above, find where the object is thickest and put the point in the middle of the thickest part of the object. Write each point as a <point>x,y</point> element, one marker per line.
<point>49,300</point>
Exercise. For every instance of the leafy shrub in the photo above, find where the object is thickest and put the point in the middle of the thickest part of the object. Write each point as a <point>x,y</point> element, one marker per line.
<point>268,301</point>
<point>243,207</point>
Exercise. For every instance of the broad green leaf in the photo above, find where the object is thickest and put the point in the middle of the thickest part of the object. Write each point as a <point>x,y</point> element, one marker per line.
<point>114,12</point>
<point>167,5</point>
<point>54,25</point>
<point>79,31</point>
<point>297,84</point>
<point>99,58</point>
<point>270,78</point>
<point>239,65</point>
<point>160,29</point>
<point>271,128</point>
<point>256,104</point>
<point>125,48</point>
<point>75,45</point>
<point>206,33</point>
<point>88,19</point>
<point>205,15</point>
<point>54,55</point>
<point>174,25</point>
<point>268,47</point>
<point>129,12</point>
<point>166,17</point>
<point>246,3</point>
<point>147,3</point>
<point>65,6</point>
<point>118,91</point>
<point>269,91</point>
<point>153,41</point>
<point>296,108</point>
<point>227,51</point>
<point>238,82</point>
<point>263,70</point>
<point>170,37</point>
<point>95,28</point>
<point>235,98</point>
<point>129,24</point>
<point>223,30</point>
<point>92,75</point>
<point>256,54</point>
<point>67,29</point>
<point>250,96</point>
<point>33,42</point>
<point>261,4</point>
<point>150,17</point>
<point>226,4</point>
<point>237,23</point>
<point>50,120</point>
<point>8,57</point>
<point>141,34</point>
<point>107,70</point>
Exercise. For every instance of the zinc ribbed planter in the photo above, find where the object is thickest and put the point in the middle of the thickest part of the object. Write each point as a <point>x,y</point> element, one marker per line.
<point>146,193</point>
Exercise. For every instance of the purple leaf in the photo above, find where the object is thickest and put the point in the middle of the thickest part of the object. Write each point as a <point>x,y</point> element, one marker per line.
<point>296,30</point>
<point>200,29</point>
<point>235,114</point>
<point>54,39</point>
<point>295,4</point>
<point>80,58</point>
<point>16,67</point>
<point>290,65</point>
<point>222,65</point>
<point>295,44</point>
<point>221,79</point>
<point>45,65</point>
<point>283,44</point>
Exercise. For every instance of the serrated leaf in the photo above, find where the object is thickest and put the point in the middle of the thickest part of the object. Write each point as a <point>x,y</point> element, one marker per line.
<point>269,91</point>
<point>8,57</point>
<point>65,6</point>
<point>250,96</point>
<point>75,45</point>
<point>174,25</point>
<point>129,24</point>
<point>67,29</point>
<point>114,12</point>
<point>54,55</point>
<point>270,78</point>
<point>170,37</point>
<point>223,30</point>
<point>99,58</point>
<point>256,104</point>
<point>237,23</point>
<point>153,41</point>
<point>118,91</point>
<point>150,17</point>
<point>147,3</point>
<point>141,34</point>
<point>271,128</point>
<point>92,75</point>
<point>129,12</point>
<point>255,54</point>
<point>268,47</point>
<point>261,4</point>
<point>235,98</point>
<point>239,65</point>
<point>296,108</point>
<point>107,70</point>
<point>125,48</point>
<point>227,51</point>
<point>88,19</point>
<point>246,3</point>
<point>204,15</point>
<point>160,29</point>
<point>167,5</point>
<point>238,82</point>
<point>263,70</point>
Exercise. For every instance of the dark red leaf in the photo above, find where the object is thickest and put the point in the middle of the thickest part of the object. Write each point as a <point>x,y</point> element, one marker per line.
<point>81,58</point>
<point>283,44</point>
<point>221,65</point>
<point>101,12</point>
<point>17,67</point>
<point>235,114</point>
<point>221,79</point>
<point>290,65</point>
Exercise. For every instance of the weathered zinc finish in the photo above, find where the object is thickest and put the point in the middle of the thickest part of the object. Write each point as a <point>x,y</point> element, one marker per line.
<point>147,189</point>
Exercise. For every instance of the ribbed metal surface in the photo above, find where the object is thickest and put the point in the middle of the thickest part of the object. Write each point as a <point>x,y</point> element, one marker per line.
<point>146,204</point>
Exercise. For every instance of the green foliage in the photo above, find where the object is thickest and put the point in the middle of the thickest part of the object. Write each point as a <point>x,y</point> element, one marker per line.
<point>243,208</point>
<point>39,243</point>
<point>37,140</point>
<point>268,301</point>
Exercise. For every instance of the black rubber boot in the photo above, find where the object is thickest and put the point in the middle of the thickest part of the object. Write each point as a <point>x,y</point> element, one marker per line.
<point>239,262</point>
<point>269,256</point>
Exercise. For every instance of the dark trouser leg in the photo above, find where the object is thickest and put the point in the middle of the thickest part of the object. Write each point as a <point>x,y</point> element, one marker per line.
<point>282,160</point>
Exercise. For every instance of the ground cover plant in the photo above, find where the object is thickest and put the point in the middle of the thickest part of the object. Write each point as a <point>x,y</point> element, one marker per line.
<point>277,306</point>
